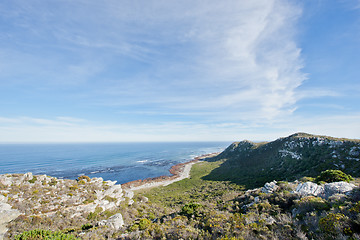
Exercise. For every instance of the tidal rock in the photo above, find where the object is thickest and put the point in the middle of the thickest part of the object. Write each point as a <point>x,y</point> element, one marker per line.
<point>116,221</point>
<point>270,187</point>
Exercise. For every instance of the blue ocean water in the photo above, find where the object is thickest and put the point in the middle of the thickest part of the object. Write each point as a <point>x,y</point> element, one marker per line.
<point>122,162</point>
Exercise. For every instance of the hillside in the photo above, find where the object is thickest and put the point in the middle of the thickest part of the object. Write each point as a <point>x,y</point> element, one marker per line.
<point>252,164</point>
<point>216,202</point>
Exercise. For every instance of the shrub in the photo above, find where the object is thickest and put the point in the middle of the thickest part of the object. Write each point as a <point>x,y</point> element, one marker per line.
<point>33,180</point>
<point>191,209</point>
<point>333,176</point>
<point>43,234</point>
<point>81,182</point>
<point>144,223</point>
<point>74,187</point>
<point>86,226</point>
<point>110,199</point>
<point>312,203</point>
<point>53,182</point>
<point>307,179</point>
<point>84,178</point>
<point>332,223</point>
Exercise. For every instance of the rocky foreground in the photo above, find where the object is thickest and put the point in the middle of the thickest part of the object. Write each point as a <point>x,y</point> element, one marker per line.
<point>29,200</point>
<point>32,197</point>
<point>40,196</point>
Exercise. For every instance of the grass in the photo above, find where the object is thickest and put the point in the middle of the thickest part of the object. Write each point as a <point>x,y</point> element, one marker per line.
<point>193,189</point>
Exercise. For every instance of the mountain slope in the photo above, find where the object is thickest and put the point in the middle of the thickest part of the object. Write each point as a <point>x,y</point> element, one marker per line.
<point>253,164</point>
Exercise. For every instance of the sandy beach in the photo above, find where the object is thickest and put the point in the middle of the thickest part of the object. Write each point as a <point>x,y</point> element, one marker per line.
<point>179,171</point>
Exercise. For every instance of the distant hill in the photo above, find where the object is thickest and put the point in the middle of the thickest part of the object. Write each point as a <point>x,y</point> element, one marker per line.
<point>301,154</point>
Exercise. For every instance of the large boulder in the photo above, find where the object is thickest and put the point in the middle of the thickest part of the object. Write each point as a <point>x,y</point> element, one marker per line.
<point>338,188</point>
<point>326,190</point>
<point>7,214</point>
<point>116,221</point>
<point>309,188</point>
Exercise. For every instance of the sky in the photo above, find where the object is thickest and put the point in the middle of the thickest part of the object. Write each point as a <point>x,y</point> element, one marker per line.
<point>165,70</point>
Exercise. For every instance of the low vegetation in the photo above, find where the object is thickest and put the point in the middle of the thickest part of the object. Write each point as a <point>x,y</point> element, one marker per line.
<point>215,203</point>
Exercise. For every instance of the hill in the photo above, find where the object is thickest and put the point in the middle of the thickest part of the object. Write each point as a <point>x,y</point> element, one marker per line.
<point>301,154</point>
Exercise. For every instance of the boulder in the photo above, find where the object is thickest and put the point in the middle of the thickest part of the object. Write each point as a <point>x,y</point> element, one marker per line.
<point>309,188</point>
<point>338,188</point>
<point>28,176</point>
<point>7,215</point>
<point>116,221</point>
<point>6,181</point>
<point>326,190</point>
<point>270,187</point>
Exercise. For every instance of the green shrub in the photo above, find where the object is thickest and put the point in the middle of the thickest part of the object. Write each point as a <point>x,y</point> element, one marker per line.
<point>332,223</point>
<point>53,182</point>
<point>74,187</point>
<point>110,199</point>
<point>86,226</point>
<point>84,178</point>
<point>81,182</point>
<point>44,234</point>
<point>144,223</point>
<point>307,179</point>
<point>191,209</point>
<point>33,180</point>
<point>333,176</point>
<point>312,203</point>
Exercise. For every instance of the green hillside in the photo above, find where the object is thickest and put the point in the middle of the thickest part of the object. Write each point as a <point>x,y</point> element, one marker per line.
<point>252,164</point>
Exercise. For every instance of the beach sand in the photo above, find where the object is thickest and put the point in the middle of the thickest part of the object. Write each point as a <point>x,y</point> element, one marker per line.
<point>179,171</point>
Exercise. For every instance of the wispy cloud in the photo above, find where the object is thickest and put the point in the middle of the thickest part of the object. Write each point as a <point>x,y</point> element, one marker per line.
<point>204,67</point>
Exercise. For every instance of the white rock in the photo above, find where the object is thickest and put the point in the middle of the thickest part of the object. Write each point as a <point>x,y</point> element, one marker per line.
<point>338,188</point>
<point>116,221</point>
<point>270,187</point>
<point>7,215</point>
<point>28,176</point>
<point>128,194</point>
<point>309,188</point>
<point>327,190</point>
<point>6,181</point>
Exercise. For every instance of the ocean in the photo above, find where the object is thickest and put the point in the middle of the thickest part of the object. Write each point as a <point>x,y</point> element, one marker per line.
<point>122,162</point>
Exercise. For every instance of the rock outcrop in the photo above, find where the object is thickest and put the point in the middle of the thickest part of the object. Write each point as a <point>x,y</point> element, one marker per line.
<point>270,187</point>
<point>116,221</point>
<point>325,190</point>
<point>7,214</point>
<point>56,196</point>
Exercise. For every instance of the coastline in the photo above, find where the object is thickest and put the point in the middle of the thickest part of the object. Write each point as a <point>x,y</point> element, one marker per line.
<point>179,172</point>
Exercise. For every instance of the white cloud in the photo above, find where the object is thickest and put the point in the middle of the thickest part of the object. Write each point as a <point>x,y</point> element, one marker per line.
<point>235,66</point>
<point>65,129</point>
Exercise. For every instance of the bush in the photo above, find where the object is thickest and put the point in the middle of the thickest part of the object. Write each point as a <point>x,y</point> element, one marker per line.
<point>333,176</point>
<point>191,209</point>
<point>312,203</point>
<point>332,223</point>
<point>53,182</point>
<point>84,178</point>
<point>86,226</point>
<point>33,180</point>
<point>144,223</point>
<point>43,234</point>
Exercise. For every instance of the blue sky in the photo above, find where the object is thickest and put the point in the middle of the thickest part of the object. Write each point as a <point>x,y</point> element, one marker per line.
<point>110,70</point>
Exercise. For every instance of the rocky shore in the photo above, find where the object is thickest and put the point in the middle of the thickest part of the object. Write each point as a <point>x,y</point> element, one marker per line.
<point>38,197</point>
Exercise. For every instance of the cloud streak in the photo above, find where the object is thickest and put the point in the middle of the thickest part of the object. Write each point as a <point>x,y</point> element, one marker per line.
<point>186,66</point>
